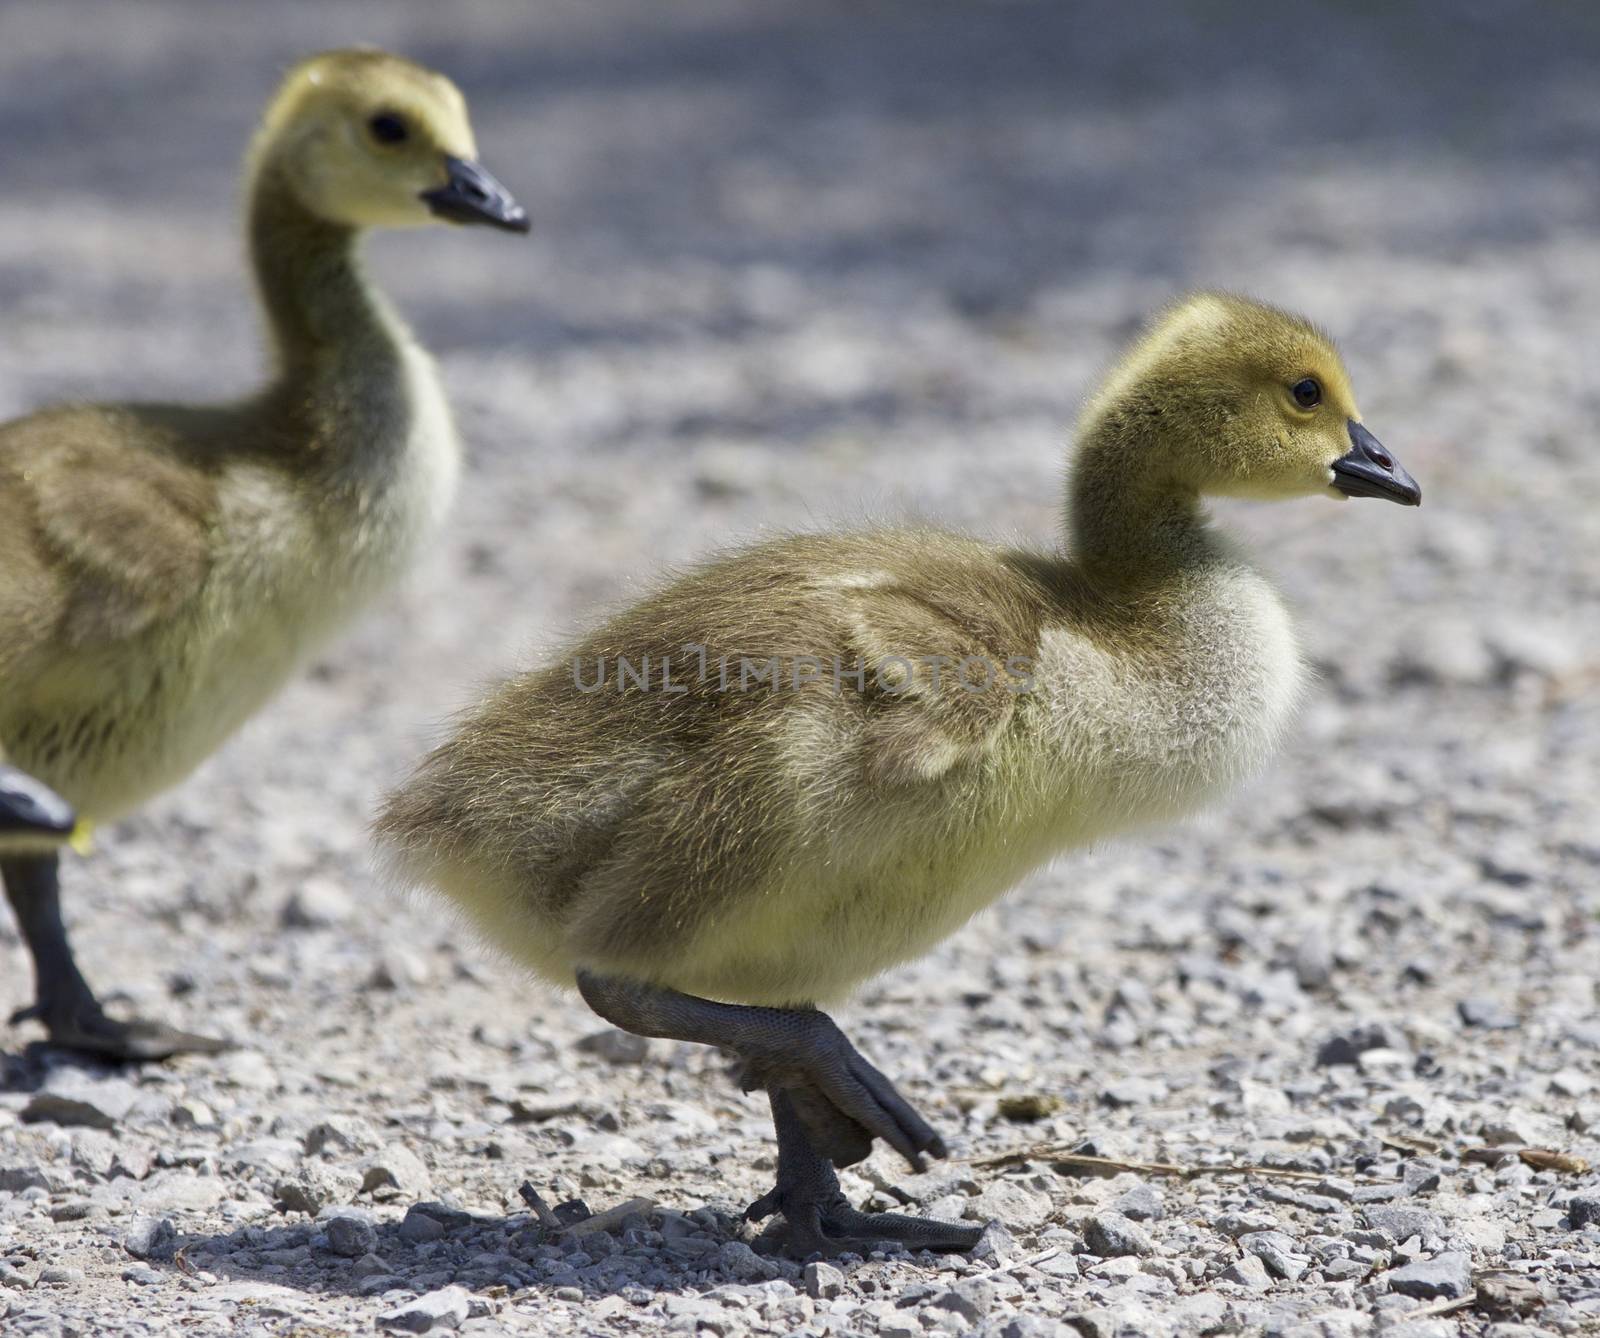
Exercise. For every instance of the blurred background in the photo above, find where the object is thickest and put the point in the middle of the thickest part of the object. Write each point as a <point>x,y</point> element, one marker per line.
<point>801,263</point>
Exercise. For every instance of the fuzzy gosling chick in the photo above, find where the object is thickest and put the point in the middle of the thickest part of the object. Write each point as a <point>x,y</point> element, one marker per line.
<point>164,567</point>
<point>815,758</point>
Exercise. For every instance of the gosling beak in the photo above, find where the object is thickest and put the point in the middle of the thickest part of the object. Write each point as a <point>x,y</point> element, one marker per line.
<point>28,808</point>
<point>472,195</point>
<point>1368,470</point>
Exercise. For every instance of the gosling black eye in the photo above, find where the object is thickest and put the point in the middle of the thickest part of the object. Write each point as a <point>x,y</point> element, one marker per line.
<point>387,128</point>
<point>1307,393</point>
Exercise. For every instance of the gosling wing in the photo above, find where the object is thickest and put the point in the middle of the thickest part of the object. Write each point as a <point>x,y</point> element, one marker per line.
<point>102,539</point>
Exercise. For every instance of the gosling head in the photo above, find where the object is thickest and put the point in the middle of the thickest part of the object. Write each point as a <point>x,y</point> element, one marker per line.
<point>1249,401</point>
<point>367,139</point>
<point>30,814</point>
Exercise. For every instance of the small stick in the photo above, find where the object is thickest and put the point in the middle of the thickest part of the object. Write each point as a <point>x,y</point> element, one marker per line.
<point>611,1217</point>
<point>1442,1307</point>
<point>1047,1153</point>
<point>541,1209</point>
<point>1405,1143</point>
<point>1541,1159</point>
<point>1029,1262</point>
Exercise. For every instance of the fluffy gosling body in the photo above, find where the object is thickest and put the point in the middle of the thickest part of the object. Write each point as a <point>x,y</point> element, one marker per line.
<point>707,854</point>
<point>164,567</point>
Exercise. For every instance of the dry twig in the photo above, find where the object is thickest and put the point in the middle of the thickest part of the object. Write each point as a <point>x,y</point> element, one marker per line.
<point>1445,1307</point>
<point>1541,1159</point>
<point>1062,1157</point>
<point>542,1210</point>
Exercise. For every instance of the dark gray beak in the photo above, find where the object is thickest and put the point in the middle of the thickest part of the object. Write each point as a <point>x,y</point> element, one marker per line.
<point>1370,471</point>
<point>28,808</point>
<point>472,195</point>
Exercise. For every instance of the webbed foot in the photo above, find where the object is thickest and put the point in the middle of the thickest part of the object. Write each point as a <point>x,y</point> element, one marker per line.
<point>65,1004</point>
<point>82,1025</point>
<point>819,1218</point>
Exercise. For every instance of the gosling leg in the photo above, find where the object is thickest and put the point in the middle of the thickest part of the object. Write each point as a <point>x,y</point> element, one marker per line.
<point>63,1000</point>
<point>820,1220</point>
<point>29,809</point>
<point>841,1100</point>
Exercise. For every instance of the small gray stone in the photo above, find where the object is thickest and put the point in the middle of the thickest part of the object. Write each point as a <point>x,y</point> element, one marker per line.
<point>1248,1272</point>
<point>1030,1326</point>
<point>15,1179</point>
<point>371,1266</point>
<point>970,1300</point>
<point>350,1234</point>
<point>1111,1234</point>
<point>1142,1203</point>
<point>447,1308</point>
<point>318,903</point>
<point>615,1046</point>
<point>1486,1014</point>
<point>1006,1201</point>
<point>1277,1251</point>
<point>1133,1092</point>
<point>340,1134</point>
<point>314,1188</point>
<point>142,1275</point>
<point>1400,1224</point>
<point>1584,1210</point>
<point>739,1261</point>
<point>1347,1046</point>
<point>417,1227</point>
<point>396,1171</point>
<point>150,1238</point>
<point>1445,1277</point>
<point>1240,1223</point>
<point>995,1246</point>
<point>823,1281</point>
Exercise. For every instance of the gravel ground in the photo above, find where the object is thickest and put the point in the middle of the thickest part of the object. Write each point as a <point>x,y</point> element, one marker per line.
<point>796,263</point>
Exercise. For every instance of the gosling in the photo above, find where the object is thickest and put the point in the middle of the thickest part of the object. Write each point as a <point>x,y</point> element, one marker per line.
<point>815,758</point>
<point>164,567</point>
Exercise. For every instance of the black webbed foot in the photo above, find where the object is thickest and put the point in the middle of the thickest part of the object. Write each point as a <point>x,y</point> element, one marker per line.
<point>819,1218</point>
<point>82,1025</point>
<point>71,1014</point>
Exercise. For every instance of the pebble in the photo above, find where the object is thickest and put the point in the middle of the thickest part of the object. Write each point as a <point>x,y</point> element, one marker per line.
<point>1248,1272</point>
<point>1109,1234</point>
<point>417,1227</point>
<point>350,1233</point>
<point>739,1261</point>
<point>1006,1201</point>
<point>396,1171</point>
<point>823,1281</point>
<point>1142,1203</point>
<point>150,1238</point>
<point>969,1301</point>
<point>1486,1014</point>
<point>1445,1276</point>
<point>615,1046</point>
<point>436,1311</point>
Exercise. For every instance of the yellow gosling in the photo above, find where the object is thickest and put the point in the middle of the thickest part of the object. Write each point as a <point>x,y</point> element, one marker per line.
<point>815,758</point>
<point>164,567</point>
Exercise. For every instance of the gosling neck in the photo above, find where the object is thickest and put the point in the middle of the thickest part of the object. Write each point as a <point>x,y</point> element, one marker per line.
<point>1130,523</point>
<point>325,320</point>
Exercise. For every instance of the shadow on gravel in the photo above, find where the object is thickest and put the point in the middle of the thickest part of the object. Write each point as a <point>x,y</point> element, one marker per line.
<point>636,1255</point>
